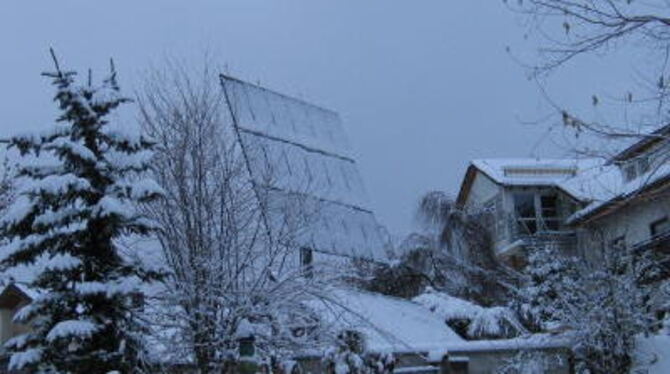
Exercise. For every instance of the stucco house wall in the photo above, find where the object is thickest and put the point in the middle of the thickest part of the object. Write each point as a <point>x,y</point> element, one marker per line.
<point>631,221</point>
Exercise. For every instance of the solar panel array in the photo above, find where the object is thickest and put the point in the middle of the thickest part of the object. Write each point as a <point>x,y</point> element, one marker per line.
<point>294,147</point>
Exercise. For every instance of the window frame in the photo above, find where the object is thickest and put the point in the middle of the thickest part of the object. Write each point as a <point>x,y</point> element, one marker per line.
<point>654,224</point>
<point>539,222</point>
<point>307,262</point>
<point>619,242</point>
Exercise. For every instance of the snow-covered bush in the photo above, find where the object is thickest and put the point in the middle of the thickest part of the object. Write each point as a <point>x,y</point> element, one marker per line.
<point>531,362</point>
<point>602,305</point>
<point>350,356</point>
<point>406,277</point>
<point>76,198</point>
<point>552,281</point>
<point>470,320</point>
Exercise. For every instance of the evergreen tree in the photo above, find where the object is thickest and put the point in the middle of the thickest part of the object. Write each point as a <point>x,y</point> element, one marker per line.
<point>601,305</point>
<point>552,284</point>
<point>77,197</point>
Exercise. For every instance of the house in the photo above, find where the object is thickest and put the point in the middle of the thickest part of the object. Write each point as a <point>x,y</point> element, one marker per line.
<point>582,206</point>
<point>527,200</point>
<point>634,211</point>
<point>13,297</point>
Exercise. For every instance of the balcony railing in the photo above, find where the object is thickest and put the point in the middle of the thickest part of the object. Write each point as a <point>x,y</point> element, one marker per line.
<point>540,233</point>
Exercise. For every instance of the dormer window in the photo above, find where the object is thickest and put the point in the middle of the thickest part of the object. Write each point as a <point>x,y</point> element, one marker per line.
<point>307,262</point>
<point>635,167</point>
<point>630,172</point>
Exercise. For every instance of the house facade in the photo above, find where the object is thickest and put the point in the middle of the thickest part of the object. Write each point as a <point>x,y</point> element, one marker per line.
<point>635,212</point>
<point>582,206</point>
<point>12,298</point>
<point>526,200</point>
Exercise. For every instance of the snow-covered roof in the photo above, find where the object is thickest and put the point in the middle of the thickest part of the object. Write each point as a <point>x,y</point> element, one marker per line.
<point>646,137</point>
<point>566,174</point>
<point>595,182</point>
<point>389,323</point>
<point>305,149</point>
<point>527,171</point>
<point>615,189</point>
<point>536,341</point>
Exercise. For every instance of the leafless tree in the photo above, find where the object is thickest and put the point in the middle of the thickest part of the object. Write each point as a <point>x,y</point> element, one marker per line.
<point>566,30</point>
<point>225,262</point>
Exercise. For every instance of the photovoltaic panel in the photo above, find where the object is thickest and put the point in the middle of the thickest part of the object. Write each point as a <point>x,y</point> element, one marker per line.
<point>305,150</point>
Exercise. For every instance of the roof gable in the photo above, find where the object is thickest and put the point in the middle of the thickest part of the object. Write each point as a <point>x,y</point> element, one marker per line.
<point>565,174</point>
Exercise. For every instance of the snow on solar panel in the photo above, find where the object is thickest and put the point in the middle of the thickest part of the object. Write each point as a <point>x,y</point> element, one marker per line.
<point>294,147</point>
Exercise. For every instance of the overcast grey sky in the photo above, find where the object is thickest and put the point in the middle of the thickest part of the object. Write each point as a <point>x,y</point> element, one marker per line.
<point>422,87</point>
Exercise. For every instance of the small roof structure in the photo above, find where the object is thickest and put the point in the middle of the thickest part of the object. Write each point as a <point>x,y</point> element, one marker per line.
<point>525,172</point>
<point>15,294</point>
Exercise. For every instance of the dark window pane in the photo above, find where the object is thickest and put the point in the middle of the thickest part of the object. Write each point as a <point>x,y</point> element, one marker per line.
<point>551,224</point>
<point>527,226</point>
<point>643,165</point>
<point>306,260</point>
<point>549,205</point>
<point>524,205</point>
<point>659,227</point>
<point>619,243</point>
<point>629,172</point>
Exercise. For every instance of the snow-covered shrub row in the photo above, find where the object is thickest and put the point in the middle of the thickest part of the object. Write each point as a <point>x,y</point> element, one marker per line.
<point>471,320</point>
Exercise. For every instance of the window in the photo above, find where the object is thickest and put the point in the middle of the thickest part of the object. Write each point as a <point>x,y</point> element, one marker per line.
<point>524,206</point>
<point>137,301</point>
<point>537,211</point>
<point>549,210</point>
<point>306,262</point>
<point>659,227</point>
<point>618,243</point>
<point>643,164</point>
<point>636,167</point>
<point>629,172</point>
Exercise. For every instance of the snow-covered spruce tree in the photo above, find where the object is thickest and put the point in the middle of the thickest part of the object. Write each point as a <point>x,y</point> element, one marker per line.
<point>552,282</point>
<point>76,197</point>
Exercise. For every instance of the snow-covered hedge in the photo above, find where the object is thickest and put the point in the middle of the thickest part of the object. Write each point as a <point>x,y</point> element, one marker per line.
<point>471,320</point>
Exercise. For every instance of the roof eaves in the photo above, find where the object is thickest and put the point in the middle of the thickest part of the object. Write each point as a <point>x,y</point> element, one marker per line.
<point>614,203</point>
<point>646,140</point>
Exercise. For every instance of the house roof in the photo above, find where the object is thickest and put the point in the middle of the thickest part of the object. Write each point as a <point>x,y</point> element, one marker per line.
<point>619,192</point>
<point>13,294</point>
<point>596,183</point>
<point>565,174</point>
<point>643,144</point>
<point>389,324</point>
